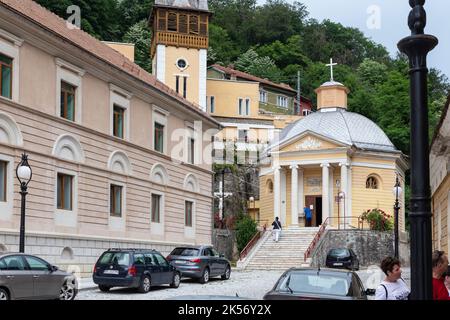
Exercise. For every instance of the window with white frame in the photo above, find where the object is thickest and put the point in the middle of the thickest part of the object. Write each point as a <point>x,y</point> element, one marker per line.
<point>282,101</point>
<point>159,129</point>
<point>263,96</point>
<point>3,181</point>
<point>116,200</point>
<point>188,213</point>
<point>191,150</point>
<point>120,112</point>
<point>243,135</point>
<point>69,91</point>
<point>9,65</point>
<point>244,107</point>
<point>212,104</point>
<point>156,208</point>
<point>247,107</point>
<point>64,192</point>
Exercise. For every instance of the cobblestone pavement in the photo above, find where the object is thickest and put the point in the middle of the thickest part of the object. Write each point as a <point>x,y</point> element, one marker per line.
<point>248,284</point>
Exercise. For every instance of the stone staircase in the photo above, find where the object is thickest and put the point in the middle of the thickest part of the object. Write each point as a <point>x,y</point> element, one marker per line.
<point>288,252</point>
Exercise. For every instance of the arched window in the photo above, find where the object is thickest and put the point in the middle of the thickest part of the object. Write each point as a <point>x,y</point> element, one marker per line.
<point>372,183</point>
<point>191,183</point>
<point>69,148</point>
<point>119,162</point>
<point>269,187</point>
<point>67,254</point>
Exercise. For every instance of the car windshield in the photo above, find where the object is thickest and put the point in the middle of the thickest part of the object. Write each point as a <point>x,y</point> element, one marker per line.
<point>188,252</point>
<point>315,284</point>
<point>339,253</point>
<point>120,258</point>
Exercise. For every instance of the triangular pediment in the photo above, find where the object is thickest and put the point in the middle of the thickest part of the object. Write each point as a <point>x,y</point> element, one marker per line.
<point>310,141</point>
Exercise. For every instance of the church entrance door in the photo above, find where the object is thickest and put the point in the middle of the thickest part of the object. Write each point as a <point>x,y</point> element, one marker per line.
<point>315,203</point>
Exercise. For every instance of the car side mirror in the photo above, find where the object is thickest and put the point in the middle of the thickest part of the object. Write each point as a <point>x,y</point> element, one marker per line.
<point>53,268</point>
<point>370,292</point>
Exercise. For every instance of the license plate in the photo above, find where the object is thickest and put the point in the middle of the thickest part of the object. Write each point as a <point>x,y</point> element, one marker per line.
<point>180,261</point>
<point>111,272</point>
<point>338,264</point>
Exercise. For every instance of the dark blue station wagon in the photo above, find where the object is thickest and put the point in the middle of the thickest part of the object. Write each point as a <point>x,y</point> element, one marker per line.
<point>134,268</point>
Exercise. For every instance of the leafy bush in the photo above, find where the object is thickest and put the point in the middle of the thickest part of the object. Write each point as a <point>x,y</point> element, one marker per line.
<point>245,230</point>
<point>378,220</point>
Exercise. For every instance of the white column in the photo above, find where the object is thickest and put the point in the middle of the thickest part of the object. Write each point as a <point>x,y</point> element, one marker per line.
<point>325,191</point>
<point>344,188</point>
<point>301,194</point>
<point>294,195</point>
<point>202,78</point>
<point>161,63</point>
<point>331,193</point>
<point>276,191</point>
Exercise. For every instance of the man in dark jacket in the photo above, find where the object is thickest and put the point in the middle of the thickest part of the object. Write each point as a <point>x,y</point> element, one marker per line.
<point>276,229</point>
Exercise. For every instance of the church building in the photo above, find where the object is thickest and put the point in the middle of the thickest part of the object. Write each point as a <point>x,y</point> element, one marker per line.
<point>337,163</point>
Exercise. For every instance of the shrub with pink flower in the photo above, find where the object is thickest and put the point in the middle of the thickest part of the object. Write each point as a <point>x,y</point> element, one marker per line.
<point>378,220</point>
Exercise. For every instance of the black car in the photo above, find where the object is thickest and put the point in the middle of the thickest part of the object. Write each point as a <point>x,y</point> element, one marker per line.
<point>200,262</point>
<point>27,277</point>
<point>134,268</point>
<point>318,284</point>
<point>342,258</point>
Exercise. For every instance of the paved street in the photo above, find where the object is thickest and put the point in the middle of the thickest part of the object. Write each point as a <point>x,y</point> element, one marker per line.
<point>250,284</point>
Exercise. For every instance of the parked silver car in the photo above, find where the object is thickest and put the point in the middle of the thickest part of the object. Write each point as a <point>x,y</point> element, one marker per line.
<point>200,262</point>
<point>27,277</point>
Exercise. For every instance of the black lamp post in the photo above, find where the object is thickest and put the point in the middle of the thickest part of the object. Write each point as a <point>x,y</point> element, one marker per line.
<point>397,193</point>
<point>416,47</point>
<point>24,174</point>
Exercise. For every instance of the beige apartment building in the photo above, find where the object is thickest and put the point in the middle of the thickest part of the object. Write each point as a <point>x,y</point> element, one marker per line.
<point>118,158</point>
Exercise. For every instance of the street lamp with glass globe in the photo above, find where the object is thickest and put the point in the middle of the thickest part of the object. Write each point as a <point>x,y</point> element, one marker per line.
<point>24,174</point>
<point>397,191</point>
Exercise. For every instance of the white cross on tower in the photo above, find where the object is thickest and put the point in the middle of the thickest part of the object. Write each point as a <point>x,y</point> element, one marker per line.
<point>331,65</point>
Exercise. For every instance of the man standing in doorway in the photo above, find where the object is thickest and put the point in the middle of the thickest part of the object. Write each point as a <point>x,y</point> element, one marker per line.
<point>308,216</point>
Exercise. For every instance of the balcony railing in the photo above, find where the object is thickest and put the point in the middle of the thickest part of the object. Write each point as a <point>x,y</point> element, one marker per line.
<point>179,40</point>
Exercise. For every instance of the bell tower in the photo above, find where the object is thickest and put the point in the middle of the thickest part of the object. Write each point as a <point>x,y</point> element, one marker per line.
<point>180,45</point>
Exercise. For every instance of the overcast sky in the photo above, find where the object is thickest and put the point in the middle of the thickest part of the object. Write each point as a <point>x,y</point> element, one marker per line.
<point>392,25</point>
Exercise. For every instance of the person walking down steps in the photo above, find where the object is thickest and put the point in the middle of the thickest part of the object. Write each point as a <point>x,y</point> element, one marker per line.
<point>276,230</point>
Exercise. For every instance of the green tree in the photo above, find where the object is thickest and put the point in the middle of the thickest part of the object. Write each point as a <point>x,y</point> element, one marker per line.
<point>262,67</point>
<point>223,49</point>
<point>140,35</point>
<point>246,229</point>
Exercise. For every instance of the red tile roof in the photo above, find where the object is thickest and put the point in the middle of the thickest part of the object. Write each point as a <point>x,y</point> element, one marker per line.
<point>250,77</point>
<point>53,23</point>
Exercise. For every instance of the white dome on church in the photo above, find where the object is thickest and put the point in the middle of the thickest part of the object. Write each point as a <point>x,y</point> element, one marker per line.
<point>342,126</point>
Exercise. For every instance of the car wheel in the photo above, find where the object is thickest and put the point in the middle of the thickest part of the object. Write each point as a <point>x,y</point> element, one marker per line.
<point>205,276</point>
<point>67,292</point>
<point>176,280</point>
<point>104,288</point>
<point>145,285</point>
<point>227,273</point>
<point>4,295</point>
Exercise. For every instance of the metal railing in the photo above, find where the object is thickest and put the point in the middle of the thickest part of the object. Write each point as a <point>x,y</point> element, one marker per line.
<point>251,244</point>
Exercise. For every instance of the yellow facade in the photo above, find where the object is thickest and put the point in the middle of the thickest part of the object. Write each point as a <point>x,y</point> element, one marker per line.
<point>227,94</point>
<point>441,216</point>
<point>127,49</point>
<point>192,71</point>
<point>332,97</point>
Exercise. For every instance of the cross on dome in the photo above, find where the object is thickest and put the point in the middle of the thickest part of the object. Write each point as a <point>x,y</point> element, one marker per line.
<point>331,65</point>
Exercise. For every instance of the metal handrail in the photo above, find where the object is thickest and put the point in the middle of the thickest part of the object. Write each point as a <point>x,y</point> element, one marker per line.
<point>251,244</point>
<point>316,239</point>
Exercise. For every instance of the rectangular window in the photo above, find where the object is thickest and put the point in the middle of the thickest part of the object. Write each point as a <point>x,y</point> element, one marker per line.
<point>118,121</point>
<point>3,180</point>
<point>193,24</point>
<point>184,87</point>
<point>68,101</point>
<point>240,107</point>
<point>263,96</point>
<point>188,213</point>
<point>183,23</point>
<point>177,84</point>
<point>6,76</point>
<point>115,205</point>
<point>64,192</point>
<point>159,137</point>
<point>212,104</point>
<point>156,208</point>
<point>282,101</point>
<point>243,135</point>
<point>247,107</point>
<point>172,22</point>
<point>191,150</point>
